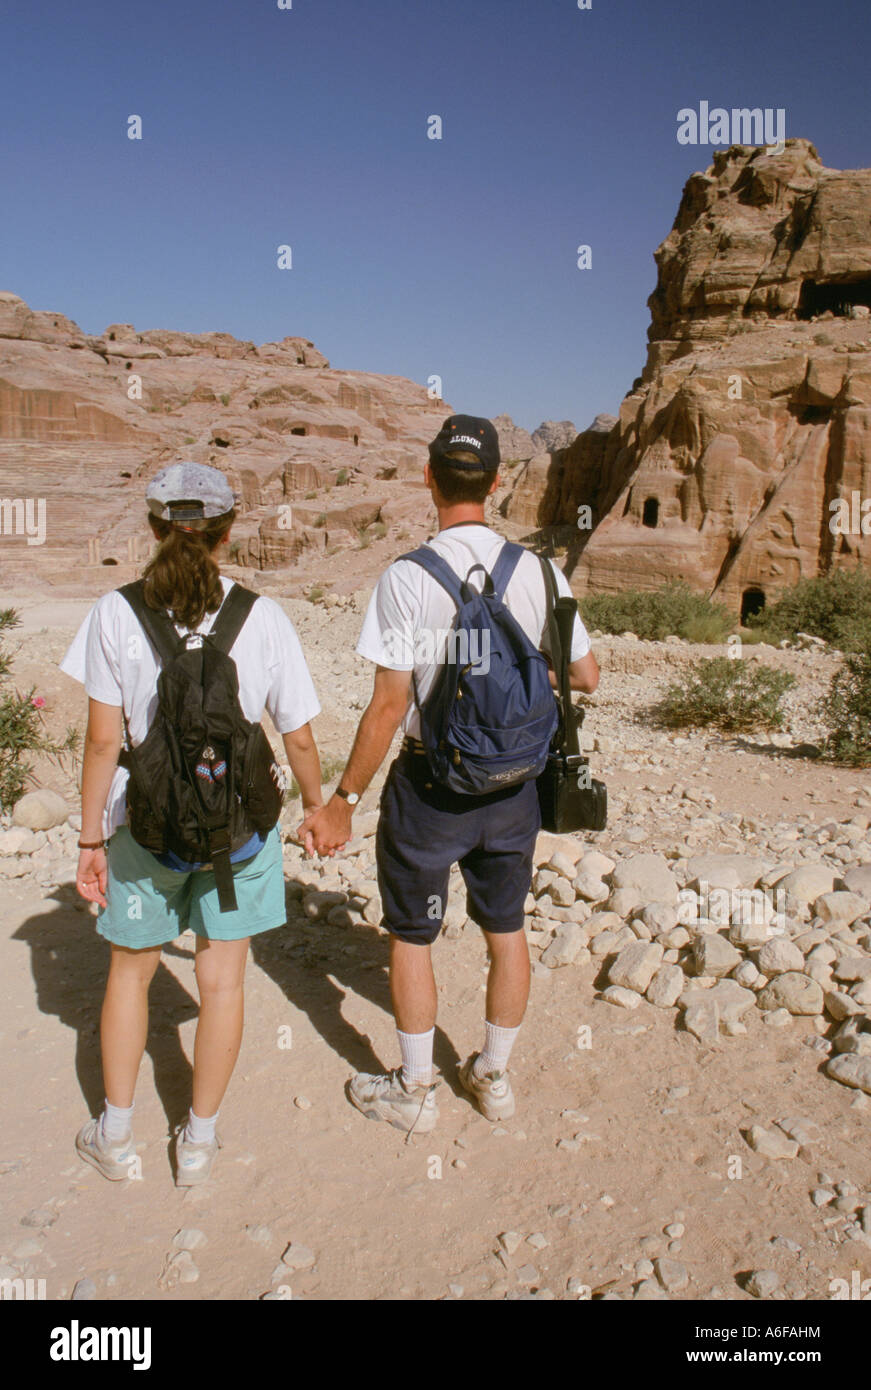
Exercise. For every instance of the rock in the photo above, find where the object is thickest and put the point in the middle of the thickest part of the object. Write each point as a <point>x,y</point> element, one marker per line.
<point>770,1143</point>
<point>591,889</point>
<point>179,1269</point>
<point>842,908</point>
<point>562,863</point>
<point>671,1274</point>
<point>851,1070</point>
<point>779,955</point>
<point>40,810</point>
<point>665,988</point>
<point>661,918</point>
<point>763,1283</point>
<point>805,1132</point>
<point>298,1257</point>
<point>624,998</point>
<point>794,992</point>
<point>602,921</point>
<point>808,883</point>
<point>777,1018</point>
<point>714,955</point>
<point>746,974</point>
<point>858,880</point>
<point>648,876</point>
<point>20,841</point>
<point>822,1196</point>
<point>725,870</point>
<point>702,1018</point>
<point>595,864</point>
<point>189,1238</point>
<point>840,1006</point>
<point>636,965</point>
<point>83,1289</point>
<point>567,942</point>
<point>562,893</point>
<point>510,1242</point>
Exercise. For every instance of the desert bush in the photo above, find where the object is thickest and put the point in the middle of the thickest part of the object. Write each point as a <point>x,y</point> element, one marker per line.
<point>341,477</point>
<point>225,399</point>
<point>22,728</point>
<point>673,609</point>
<point>321,520</point>
<point>835,607</point>
<point>731,695</point>
<point>846,711</point>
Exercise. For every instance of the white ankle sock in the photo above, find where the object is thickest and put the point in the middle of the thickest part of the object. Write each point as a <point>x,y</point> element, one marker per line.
<point>116,1122</point>
<point>200,1131</point>
<point>494,1055</point>
<point>416,1049</point>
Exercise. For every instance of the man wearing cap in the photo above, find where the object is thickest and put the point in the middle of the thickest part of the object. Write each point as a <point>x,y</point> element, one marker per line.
<point>425,828</point>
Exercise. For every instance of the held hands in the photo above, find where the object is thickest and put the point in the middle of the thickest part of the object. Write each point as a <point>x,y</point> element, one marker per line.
<point>92,876</point>
<point>326,828</point>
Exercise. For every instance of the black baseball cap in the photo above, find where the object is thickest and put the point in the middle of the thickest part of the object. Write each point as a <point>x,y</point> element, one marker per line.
<point>467,434</point>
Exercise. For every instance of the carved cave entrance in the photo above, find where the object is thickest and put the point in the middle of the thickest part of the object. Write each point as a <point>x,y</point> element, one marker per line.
<point>650,515</point>
<point>836,296</point>
<point>752,602</point>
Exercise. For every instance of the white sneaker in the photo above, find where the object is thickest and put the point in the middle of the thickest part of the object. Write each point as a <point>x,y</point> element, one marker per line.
<point>193,1162</point>
<point>386,1097</point>
<point>493,1093</point>
<point>112,1159</point>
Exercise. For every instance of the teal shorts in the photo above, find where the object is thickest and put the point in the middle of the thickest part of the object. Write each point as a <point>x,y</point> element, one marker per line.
<point>149,904</point>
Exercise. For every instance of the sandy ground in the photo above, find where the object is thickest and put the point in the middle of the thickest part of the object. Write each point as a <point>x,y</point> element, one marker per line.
<point>659,1116</point>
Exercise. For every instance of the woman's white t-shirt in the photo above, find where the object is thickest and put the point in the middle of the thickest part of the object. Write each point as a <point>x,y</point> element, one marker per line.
<point>113,659</point>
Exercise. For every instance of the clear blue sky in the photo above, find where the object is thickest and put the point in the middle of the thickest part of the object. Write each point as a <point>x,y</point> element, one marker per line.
<point>411,256</point>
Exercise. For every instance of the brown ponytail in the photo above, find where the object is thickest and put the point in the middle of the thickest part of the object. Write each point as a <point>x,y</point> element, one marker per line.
<point>183,575</point>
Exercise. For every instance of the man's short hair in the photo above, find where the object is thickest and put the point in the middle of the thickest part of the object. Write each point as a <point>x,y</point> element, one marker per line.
<point>462,484</point>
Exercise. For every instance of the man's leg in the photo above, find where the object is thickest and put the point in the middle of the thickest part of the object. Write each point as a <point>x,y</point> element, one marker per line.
<point>413,992</point>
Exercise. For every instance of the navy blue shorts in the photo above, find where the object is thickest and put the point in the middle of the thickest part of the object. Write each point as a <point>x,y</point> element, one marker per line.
<point>424,829</point>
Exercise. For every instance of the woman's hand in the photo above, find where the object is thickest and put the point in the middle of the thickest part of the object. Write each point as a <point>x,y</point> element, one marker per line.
<point>92,876</point>
<point>305,839</point>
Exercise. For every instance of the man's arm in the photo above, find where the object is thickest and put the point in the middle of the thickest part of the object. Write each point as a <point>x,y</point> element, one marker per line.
<point>583,674</point>
<point>330,827</point>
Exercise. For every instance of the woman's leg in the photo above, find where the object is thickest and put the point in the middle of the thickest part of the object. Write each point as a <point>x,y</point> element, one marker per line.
<point>124,1020</point>
<point>220,967</point>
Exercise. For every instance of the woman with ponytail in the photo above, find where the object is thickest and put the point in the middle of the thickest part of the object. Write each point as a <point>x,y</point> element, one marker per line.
<point>145,899</point>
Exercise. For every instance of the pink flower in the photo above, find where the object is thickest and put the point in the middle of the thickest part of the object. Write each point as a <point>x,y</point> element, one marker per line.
<point>38,701</point>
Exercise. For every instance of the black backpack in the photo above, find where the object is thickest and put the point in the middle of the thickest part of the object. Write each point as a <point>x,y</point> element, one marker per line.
<point>204,779</point>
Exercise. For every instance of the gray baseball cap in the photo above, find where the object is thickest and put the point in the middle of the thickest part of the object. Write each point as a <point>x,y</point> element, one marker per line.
<point>189,492</point>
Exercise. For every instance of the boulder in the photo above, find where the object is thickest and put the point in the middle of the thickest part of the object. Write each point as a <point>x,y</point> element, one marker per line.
<point>842,908</point>
<point>40,810</point>
<point>794,992</point>
<point>636,965</point>
<point>648,876</point>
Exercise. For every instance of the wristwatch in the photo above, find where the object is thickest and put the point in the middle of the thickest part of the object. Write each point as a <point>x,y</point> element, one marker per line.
<point>351,797</point>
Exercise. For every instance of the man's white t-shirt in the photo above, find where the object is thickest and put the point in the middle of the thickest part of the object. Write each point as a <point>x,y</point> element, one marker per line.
<point>410,615</point>
<point>115,662</point>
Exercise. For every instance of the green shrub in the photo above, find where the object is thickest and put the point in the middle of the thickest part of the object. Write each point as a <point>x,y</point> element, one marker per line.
<point>310,496</point>
<point>727,694</point>
<point>315,594</point>
<point>835,607</point>
<point>341,477</point>
<point>673,609</point>
<point>225,399</point>
<point>22,728</point>
<point>846,710</point>
<point>321,520</point>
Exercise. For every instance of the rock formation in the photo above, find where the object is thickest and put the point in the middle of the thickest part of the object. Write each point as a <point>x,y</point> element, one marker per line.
<point>317,455</point>
<point>752,416</point>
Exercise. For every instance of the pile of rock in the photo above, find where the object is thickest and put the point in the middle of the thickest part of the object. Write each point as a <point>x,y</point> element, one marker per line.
<point>714,936</point>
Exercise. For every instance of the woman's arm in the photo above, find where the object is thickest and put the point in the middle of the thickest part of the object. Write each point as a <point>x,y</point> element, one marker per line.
<point>102,745</point>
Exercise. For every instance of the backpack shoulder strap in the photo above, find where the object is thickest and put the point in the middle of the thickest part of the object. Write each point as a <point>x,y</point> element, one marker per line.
<point>157,625</point>
<point>231,617</point>
<point>506,563</point>
<point>438,568</point>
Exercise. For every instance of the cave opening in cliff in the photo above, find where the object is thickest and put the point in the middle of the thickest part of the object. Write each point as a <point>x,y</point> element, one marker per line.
<point>752,602</point>
<point>835,296</point>
<point>298,429</point>
<point>650,515</point>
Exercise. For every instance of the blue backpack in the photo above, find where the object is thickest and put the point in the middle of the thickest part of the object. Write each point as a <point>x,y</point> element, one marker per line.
<point>489,719</point>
